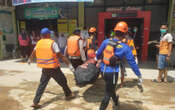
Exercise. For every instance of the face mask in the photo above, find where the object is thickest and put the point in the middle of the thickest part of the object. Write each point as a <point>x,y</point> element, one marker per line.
<point>135,30</point>
<point>162,31</point>
<point>112,33</point>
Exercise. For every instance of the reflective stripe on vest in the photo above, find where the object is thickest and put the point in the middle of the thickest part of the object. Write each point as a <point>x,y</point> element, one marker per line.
<point>46,58</point>
<point>73,46</point>
<point>45,61</point>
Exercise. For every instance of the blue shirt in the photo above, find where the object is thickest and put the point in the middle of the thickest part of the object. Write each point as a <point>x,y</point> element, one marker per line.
<point>121,50</point>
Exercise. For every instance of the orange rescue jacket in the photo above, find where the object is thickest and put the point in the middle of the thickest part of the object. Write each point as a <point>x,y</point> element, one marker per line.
<point>130,43</point>
<point>46,58</point>
<point>89,42</point>
<point>73,46</point>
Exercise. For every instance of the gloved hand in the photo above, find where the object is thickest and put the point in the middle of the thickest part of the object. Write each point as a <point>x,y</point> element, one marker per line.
<point>98,63</point>
<point>29,61</point>
<point>71,68</point>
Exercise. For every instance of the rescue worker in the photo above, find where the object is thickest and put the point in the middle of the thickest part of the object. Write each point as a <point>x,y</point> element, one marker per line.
<point>92,40</point>
<point>75,49</point>
<point>113,50</point>
<point>130,42</point>
<point>47,53</point>
<point>165,48</point>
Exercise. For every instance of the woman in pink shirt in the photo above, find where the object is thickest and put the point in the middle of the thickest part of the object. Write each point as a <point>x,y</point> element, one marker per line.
<point>24,42</point>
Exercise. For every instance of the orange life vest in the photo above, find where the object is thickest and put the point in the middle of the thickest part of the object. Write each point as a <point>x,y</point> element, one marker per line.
<point>46,58</point>
<point>89,42</point>
<point>132,46</point>
<point>108,53</point>
<point>130,43</point>
<point>73,46</point>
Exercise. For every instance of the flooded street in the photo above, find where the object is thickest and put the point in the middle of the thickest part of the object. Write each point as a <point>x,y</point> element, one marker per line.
<point>18,87</point>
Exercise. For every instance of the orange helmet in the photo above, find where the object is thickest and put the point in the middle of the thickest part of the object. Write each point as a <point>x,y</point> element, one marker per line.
<point>92,29</point>
<point>121,26</point>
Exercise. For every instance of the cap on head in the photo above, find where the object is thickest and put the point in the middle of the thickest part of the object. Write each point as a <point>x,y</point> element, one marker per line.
<point>121,26</point>
<point>77,32</point>
<point>45,31</point>
<point>92,29</point>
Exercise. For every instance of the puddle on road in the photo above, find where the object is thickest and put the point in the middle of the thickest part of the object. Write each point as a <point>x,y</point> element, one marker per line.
<point>91,96</point>
<point>2,72</point>
<point>6,102</point>
<point>9,72</point>
<point>129,106</point>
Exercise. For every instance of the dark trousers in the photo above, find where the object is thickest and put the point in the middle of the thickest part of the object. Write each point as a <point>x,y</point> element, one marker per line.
<point>25,51</point>
<point>58,76</point>
<point>109,90</point>
<point>76,62</point>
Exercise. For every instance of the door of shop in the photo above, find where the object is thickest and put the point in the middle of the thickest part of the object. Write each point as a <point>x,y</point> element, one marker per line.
<point>142,17</point>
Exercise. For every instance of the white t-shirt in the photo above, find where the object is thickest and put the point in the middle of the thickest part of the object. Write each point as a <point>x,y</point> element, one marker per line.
<point>167,37</point>
<point>62,42</point>
<point>84,34</point>
<point>55,47</point>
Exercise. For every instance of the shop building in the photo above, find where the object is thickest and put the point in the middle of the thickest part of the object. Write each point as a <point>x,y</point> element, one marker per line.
<point>66,16</point>
<point>8,39</point>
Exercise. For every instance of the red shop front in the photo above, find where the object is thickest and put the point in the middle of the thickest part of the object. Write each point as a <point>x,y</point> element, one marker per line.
<point>139,19</point>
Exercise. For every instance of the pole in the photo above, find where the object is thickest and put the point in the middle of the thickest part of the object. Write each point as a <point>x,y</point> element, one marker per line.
<point>81,14</point>
<point>170,14</point>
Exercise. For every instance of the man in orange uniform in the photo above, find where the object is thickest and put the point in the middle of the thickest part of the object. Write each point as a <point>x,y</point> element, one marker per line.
<point>75,49</point>
<point>130,42</point>
<point>47,54</point>
<point>92,40</point>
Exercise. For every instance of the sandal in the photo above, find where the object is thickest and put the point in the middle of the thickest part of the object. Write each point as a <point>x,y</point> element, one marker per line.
<point>165,81</point>
<point>156,81</point>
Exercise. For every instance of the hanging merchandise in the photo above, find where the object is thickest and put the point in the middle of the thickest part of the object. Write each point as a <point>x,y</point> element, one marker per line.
<point>62,25</point>
<point>22,25</point>
<point>72,25</point>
